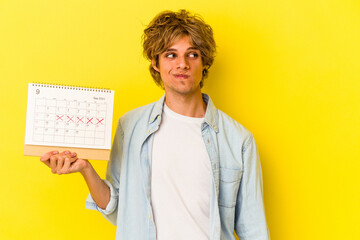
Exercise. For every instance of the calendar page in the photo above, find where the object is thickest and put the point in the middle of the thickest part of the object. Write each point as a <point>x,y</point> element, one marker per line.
<point>69,116</point>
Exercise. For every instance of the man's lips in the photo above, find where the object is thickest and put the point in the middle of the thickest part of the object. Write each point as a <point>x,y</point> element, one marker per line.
<point>182,76</point>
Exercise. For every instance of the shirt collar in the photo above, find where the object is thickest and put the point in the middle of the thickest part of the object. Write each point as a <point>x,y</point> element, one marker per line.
<point>211,116</point>
<point>157,110</point>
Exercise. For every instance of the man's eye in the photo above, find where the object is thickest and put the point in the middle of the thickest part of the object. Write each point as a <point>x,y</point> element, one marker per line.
<point>170,55</point>
<point>193,55</point>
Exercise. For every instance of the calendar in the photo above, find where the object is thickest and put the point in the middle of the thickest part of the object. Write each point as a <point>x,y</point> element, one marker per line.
<point>69,116</point>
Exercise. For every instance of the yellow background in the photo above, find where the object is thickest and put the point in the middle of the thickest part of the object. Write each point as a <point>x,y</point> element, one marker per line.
<point>288,71</point>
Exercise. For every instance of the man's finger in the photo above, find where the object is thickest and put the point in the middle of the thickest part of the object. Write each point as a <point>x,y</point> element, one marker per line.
<point>59,164</point>
<point>65,153</point>
<point>66,166</point>
<point>46,157</point>
<point>53,160</point>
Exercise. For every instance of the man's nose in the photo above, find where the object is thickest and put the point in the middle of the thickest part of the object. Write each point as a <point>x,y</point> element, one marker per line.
<point>183,62</point>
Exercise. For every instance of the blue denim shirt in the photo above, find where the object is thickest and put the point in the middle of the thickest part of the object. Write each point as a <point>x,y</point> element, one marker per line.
<point>236,197</point>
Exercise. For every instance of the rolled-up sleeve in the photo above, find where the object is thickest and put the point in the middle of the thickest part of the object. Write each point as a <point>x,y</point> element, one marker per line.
<point>112,179</point>
<point>110,208</point>
<point>250,220</point>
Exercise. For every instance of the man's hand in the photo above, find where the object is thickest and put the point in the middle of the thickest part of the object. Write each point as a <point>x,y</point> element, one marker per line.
<point>64,163</point>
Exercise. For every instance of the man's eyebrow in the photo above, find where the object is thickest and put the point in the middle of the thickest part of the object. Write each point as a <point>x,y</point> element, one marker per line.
<point>174,49</point>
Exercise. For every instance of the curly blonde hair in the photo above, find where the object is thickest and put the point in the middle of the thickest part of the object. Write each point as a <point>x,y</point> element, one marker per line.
<point>168,26</point>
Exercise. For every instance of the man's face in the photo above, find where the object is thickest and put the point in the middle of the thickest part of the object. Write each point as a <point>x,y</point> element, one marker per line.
<point>180,67</point>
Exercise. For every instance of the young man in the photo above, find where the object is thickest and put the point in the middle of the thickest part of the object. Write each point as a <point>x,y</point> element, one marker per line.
<point>179,167</point>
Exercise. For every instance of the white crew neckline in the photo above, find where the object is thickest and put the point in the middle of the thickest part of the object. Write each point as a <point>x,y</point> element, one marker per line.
<point>178,116</point>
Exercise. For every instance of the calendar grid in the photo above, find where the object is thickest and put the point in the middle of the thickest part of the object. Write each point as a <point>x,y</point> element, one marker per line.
<point>69,121</point>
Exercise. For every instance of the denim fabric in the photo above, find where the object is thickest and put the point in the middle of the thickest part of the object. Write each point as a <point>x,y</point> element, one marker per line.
<point>236,201</point>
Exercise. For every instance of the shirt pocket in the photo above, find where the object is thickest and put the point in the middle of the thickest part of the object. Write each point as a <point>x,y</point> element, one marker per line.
<point>229,186</point>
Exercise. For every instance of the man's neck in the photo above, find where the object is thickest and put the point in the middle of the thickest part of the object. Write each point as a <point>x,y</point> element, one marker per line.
<point>187,105</point>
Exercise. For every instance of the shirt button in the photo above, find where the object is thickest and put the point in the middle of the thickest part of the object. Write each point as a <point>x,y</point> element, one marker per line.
<point>215,128</point>
<point>149,216</point>
<point>148,131</point>
<point>208,141</point>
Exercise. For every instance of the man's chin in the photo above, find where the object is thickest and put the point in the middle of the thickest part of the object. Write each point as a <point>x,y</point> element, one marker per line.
<point>184,91</point>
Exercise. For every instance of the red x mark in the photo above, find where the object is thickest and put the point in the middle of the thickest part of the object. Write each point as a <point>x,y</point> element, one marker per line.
<point>70,118</point>
<point>89,120</point>
<point>59,117</point>
<point>99,121</point>
<point>80,119</point>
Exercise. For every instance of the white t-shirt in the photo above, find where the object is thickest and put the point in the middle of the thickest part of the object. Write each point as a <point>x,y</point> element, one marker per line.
<point>180,179</point>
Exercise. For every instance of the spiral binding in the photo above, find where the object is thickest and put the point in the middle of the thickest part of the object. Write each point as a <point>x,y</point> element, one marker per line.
<point>72,87</point>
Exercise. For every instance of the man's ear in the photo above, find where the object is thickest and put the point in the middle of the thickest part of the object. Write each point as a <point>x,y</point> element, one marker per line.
<point>153,63</point>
